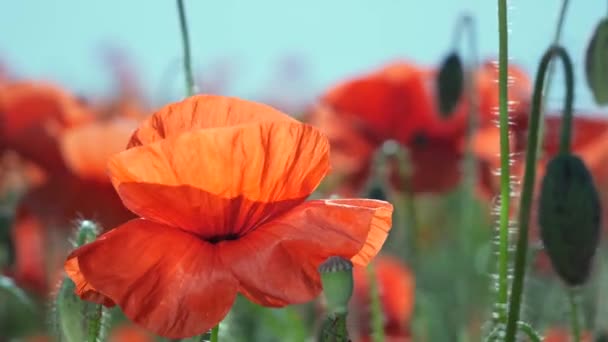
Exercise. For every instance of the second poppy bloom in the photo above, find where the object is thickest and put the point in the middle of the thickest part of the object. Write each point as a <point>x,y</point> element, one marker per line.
<point>220,185</point>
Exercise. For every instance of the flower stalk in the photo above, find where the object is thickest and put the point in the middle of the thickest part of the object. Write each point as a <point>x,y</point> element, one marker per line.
<point>505,183</point>
<point>190,86</point>
<point>530,175</point>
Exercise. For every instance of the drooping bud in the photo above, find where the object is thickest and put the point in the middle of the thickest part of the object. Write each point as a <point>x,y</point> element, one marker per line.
<point>450,84</point>
<point>77,320</point>
<point>569,217</point>
<point>596,63</point>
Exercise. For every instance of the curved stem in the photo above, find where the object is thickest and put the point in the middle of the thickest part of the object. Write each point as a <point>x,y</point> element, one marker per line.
<point>530,175</point>
<point>505,186</point>
<point>556,39</point>
<point>574,319</point>
<point>529,331</point>
<point>186,44</point>
<point>215,333</point>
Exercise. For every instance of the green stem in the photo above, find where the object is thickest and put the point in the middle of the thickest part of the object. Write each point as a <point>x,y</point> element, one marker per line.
<point>574,319</point>
<point>186,44</point>
<point>505,186</point>
<point>530,175</point>
<point>556,39</point>
<point>529,331</point>
<point>215,333</point>
<point>375,306</point>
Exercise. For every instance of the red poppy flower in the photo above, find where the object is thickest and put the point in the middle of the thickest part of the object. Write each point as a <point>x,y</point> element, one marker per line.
<point>33,117</point>
<point>557,334</point>
<point>220,185</point>
<point>396,289</point>
<point>47,212</point>
<point>394,103</point>
<point>129,333</point>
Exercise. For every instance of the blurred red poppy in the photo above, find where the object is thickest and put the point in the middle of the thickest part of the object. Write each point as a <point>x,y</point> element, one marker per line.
<point>129,333</point>
<point>222,183</point>
<point>396,289</point>
<point>397,103</point>
<point>32,118</point>
<point>46,213</point>
<point>558,334</point>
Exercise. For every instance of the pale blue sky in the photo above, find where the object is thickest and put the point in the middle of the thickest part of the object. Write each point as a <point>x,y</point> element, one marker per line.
<point>61,40</point>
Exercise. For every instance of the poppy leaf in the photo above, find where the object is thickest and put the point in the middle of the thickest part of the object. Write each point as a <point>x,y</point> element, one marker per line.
<point>450,84</point>
<point>596,63</point>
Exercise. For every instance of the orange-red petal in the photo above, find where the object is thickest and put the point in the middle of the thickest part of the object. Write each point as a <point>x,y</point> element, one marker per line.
<point>277,264</point>
<point>203,112</point>
<point>164,279</point>
<point>222,181</point>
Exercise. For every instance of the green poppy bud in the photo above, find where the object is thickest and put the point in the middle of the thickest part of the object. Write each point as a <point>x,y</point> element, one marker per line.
<point>337,280</point>
<point>569,217</point>
<point>596,63</point>
<point>77,320</point>
<point>450,84</point>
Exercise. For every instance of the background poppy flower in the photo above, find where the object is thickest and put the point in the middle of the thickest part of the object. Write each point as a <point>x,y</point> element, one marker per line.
<point>222,182</point>
<point>396,290</point>
<point>46,212</point>
<point>32,118</point>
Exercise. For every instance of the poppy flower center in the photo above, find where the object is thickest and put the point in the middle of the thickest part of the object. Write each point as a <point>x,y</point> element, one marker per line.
<point>219,238</point>
<point>420,139</point>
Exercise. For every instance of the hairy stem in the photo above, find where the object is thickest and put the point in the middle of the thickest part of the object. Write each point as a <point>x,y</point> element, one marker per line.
<point>505,186</point>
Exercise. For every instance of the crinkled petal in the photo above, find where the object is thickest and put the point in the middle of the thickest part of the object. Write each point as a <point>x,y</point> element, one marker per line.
<point>222,181</point>
<point>277,264</point>
<point>202,112</point>
<point>164,279</point>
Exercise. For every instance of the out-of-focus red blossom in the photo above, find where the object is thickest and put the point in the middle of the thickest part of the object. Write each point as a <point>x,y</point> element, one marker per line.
<point>396,288</point>
<point>223,183</point>
<point>33,116</point>
<point>558,334</point>
<point>62,137</point>
<point>38,338</point>
<point>398,103</point>
<point>130,333</point>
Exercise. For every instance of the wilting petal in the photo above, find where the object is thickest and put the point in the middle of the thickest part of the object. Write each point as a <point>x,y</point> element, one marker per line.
<point>202,112</point>
<point>86,149</point>
<point>164,279</point>
<point>225,179</point>
<point>277,264</point>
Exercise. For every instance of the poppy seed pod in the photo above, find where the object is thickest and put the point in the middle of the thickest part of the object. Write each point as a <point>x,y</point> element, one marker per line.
<point>450,84</point>
<point>596,63</point>
<point>569,217</point>
<point>77,320</point>
<point>337,279</point>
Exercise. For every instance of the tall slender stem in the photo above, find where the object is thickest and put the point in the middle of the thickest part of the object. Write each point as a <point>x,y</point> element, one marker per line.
<point>215,333</point>
<point>505,186</point>
<point>186,45</point>
<point>375,306</point>
<point>530,175</point>
<point>574,315</point>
